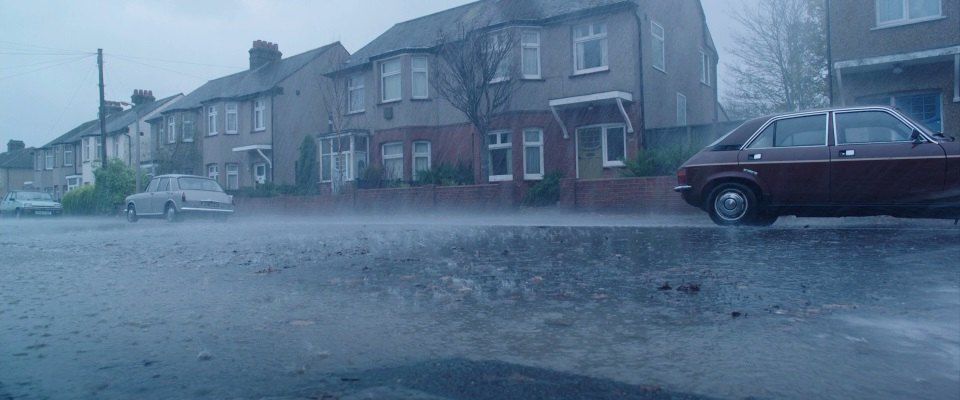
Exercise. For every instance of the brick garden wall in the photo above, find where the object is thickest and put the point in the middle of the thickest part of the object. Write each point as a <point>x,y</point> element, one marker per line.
<point>638,195</point>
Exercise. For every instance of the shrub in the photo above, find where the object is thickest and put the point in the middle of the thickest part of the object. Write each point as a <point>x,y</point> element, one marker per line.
<point>446,175</point>
<point>658,162</point>
<point>114,182</point>
<point>546,192</point>
<point>80,201</point>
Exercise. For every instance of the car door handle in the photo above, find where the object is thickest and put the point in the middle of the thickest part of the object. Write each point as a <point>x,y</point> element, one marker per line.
<point>756,156</point>
<point>847,153</point>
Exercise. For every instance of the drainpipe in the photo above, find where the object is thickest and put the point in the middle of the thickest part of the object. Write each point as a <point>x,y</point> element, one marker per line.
<point>829,55</point>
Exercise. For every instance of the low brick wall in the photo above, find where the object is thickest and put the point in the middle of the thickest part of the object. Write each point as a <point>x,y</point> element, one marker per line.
<point>640,195</point>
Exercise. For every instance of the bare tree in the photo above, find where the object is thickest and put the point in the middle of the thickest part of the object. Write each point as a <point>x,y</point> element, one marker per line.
<point>336,97</point>
<point>780,61</point>
<point>477,74</point>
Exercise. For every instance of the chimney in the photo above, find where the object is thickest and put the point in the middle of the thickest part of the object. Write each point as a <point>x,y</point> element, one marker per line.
<point>141,96</point>
<point>112,107</point>
<point>14,145</point>
<point>262,53</point>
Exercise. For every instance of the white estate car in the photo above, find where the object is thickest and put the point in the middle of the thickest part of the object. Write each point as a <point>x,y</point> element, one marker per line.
<point>173,196</point>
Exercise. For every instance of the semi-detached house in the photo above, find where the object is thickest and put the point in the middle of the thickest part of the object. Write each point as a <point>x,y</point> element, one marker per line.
<point>69,160</point>
<point>594,75</point>
<point>244,129</point>
<point>901,53</point>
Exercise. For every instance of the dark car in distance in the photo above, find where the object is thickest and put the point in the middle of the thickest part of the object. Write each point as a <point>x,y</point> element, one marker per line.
<point>852,161</point>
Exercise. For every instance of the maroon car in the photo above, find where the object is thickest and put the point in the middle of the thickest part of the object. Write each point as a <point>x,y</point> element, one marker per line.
<point>852,161</point>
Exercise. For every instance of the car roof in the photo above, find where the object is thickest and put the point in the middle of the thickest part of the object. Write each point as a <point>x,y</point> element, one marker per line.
<point>750,126</point>
<point>180,176</point>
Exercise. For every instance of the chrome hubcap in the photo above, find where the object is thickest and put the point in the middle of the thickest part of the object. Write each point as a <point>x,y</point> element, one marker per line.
<point>731,205</point>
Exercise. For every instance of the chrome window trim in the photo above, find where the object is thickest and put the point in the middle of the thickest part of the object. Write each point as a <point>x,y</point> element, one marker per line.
<point>826,132</point>
<point>883,109</point>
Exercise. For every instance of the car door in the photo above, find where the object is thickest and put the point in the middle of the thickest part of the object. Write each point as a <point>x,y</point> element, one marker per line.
<point>878,159</point>
<point>790,160</point>
<point>158,198</point>
<point>6,206</point>
<point>144,201</point>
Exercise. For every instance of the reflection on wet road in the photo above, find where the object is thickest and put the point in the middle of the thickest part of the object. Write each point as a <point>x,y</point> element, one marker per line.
<point>247,309</point>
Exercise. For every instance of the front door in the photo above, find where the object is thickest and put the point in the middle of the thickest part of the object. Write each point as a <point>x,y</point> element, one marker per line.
<point>590,153</point>
<point>260,173</point>
<point>876,161</point>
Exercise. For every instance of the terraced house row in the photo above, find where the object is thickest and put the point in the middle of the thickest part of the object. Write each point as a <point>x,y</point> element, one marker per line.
<point>593,75</point>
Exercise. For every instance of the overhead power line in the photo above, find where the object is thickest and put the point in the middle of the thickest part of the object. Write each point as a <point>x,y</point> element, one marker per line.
<point>69,61</point>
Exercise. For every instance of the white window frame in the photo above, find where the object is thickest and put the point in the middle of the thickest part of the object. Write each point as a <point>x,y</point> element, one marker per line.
<point>528,144</point>
<point>211,121</point>
<point>591,36</point>
<point>420,155</point>
<point>355,157</point>
<point>233,172</point>
<point>213,172</point>
<point>97,145</point>
<point>606,145</point>
<point>905,18</point>
<point>85,144</point>
<point>116,147</point>
<point>524,45</point>
<point>259,114</point>
<point>704,67</point>
<point>171,129</point>
<point>384,76</point>
<point>189,128</point>
<point>499,144</point>
<point>232,115</point>
<point>48,159</point>
<point>659,41</point>
<point>355,91</point>
<point>384,157</point>
<point>68,160</point>
<point>681,109</point>
<point>423,71</point>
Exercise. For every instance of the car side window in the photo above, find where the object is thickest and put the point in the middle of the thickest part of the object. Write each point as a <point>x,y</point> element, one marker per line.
<point>164,185</point>
<point>870,127</point>
<point>152,187</point>
<point>810,130</point>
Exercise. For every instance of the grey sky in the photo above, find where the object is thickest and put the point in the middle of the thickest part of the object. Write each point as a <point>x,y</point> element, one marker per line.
<point>48,74</point>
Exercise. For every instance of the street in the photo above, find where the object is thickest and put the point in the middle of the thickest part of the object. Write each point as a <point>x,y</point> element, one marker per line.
<point>545,305</point>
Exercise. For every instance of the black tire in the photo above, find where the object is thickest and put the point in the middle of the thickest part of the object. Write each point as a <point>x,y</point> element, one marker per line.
<point>170,213</point>
<point>732,204</point>
<point>132,214</point>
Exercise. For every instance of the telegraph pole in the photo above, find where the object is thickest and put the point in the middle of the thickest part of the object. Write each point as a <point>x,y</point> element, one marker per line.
<point>103,113</point>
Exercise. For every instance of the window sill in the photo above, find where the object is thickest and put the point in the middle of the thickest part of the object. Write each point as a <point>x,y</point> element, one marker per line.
<point>213,134</point>
<point>590,71</point>
<point>614,164</point>
<point>907,22</point>
<point>258,130</point>
<point>356,112</point>
<point>388,102</point>
<point>533,177</point>
<point>533,79</point>
<point>664,70</point>
<point>500,178</point>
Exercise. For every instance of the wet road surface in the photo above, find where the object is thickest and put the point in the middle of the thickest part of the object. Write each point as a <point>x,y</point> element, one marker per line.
<point>513,306</point>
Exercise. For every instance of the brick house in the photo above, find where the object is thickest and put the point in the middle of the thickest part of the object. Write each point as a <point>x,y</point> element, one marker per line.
<point>904,53</point>
<point>16,167</point>
<point>594,74</point>
<point>244,129</point>
<point>69,160</point>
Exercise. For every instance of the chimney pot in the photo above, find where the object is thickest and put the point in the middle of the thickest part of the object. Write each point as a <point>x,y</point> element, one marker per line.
<point>263,52</point>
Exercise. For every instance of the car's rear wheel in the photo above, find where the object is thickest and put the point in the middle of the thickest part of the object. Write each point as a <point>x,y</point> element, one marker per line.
<point>171,213</point>
<point>132,214</point>
<point>733,204</point>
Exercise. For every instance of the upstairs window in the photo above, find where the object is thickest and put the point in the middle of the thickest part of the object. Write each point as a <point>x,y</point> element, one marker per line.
<point>231,118</point>
<point>390,86</point>
<point>418,77</point>
<point>681,110</point>
<point>171,129</point>
<point>658,48</point>
<point>530,54</point>
<point>48,159</point>
<point>68,155</point>
<point>355,100</point>
<point>704,68</point>
<point>259,107</point>
<point>897,12</point>
<point>211,120</point>
<point>187,134</point>
<point>590,48</point>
